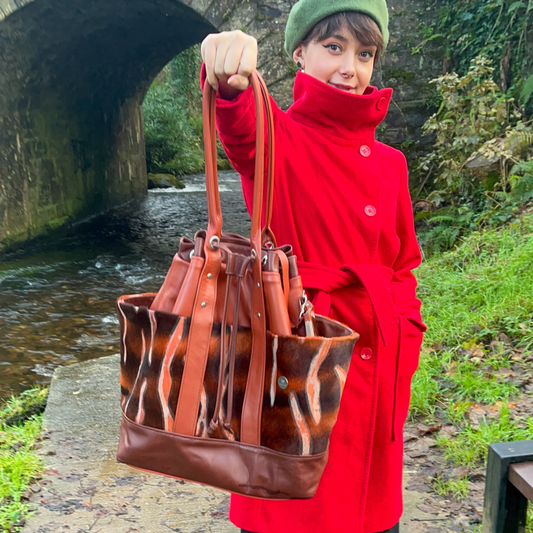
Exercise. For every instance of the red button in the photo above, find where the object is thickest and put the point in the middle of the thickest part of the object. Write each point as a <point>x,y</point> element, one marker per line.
<point>366,354</point>
<point>365,150</point>
<point>381,103</point>
<point>370,211</point>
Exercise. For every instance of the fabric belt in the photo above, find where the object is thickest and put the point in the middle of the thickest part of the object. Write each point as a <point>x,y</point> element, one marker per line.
<point>375,279</point>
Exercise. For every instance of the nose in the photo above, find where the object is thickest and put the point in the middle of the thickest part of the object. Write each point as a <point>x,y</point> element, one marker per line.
<point>347,69</point>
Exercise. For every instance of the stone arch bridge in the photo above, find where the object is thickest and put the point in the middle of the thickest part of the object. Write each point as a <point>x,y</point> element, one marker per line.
<point>74,74</point>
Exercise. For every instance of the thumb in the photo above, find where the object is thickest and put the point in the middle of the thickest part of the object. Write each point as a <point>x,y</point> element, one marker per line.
<point>239,82</point>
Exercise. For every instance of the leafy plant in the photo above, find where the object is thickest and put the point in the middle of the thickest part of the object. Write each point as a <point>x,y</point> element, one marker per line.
<point>481,139</point>
<point>173,118</point>
<point>472,112</point>
<point>521,180</point>
<point>171,143</point>
<point>496,29</point>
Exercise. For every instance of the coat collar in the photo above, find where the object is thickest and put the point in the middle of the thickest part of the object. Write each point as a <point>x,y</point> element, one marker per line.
<point>333,111</point>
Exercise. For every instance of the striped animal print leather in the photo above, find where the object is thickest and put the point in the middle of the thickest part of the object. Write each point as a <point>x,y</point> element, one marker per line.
<point>302,391</point>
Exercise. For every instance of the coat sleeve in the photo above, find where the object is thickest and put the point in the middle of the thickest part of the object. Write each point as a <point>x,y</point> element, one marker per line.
<point>403,285</point>
<point>236,125</point>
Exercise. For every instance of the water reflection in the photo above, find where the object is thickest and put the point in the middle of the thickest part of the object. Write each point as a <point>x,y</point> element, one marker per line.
<point>58,295</point>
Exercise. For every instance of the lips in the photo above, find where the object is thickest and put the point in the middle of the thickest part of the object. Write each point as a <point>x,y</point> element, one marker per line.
<point>345,88</point>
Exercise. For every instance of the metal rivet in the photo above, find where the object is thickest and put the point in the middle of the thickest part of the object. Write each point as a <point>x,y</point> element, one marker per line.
<point>258,315</point>
<point>283,382</point>
<point>209,276</point>
<point>258,285</point>
<point>203,304</point>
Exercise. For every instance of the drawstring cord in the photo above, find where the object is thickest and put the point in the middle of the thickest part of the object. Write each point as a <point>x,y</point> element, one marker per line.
<point>228,354</point>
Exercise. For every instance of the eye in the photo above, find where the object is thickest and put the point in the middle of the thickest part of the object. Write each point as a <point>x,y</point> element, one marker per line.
<point>369,54</point>
<point>333,47</point>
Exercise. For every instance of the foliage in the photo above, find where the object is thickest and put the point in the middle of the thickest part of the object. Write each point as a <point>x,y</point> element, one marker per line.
<point>469,447</point>
<point>473,111</point>
<point>20,408</point>
<point>472,296</point>
<point>475,127</point>
<point>496,29</point>
<point>521,180</point>
<point>172,145</point>
<point>173,119</point>
<point>185,73</point>
<point>458,488</point>
<point>19,465</point>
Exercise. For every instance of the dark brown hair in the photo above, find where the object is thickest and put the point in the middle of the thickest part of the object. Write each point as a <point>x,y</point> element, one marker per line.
<point>363,27</point>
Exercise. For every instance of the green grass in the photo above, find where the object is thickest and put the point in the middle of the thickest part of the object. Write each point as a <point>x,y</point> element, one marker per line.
<point>20,427</point>
<point>481,288</point>
<point>471,295</point>
<point>478,305</point>
<point>469,447</point>
<point>19,408</point>
<point>458,488</point>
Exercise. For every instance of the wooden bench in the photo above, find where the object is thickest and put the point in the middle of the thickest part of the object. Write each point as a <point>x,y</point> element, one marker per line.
<point>508,487</point>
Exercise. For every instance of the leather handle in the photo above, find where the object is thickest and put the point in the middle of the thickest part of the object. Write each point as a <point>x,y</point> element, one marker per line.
<point>214,211</point>
<point>263,108</point>
<point>267,233</point>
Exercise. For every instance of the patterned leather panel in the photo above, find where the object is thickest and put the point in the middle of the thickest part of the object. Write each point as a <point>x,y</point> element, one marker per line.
<point>296,417</point>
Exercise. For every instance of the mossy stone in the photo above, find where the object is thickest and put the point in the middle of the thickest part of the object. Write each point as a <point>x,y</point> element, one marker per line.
<point>164,181</point>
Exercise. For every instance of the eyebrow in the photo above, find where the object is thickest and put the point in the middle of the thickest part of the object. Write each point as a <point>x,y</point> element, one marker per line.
<point>339,37</point>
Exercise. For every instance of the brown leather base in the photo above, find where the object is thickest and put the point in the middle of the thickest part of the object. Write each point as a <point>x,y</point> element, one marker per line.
<point>244,469</point>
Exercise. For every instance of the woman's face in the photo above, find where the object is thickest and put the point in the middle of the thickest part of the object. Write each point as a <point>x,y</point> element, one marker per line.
<point>339,60</point>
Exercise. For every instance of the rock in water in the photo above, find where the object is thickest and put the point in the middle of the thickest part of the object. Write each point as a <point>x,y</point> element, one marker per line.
<point>164,181</point>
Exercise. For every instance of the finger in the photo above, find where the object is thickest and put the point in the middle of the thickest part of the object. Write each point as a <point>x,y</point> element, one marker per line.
<point>248,59</point>
<point>210,52</point>
<point>220,60</point>
<point>239,82</point>
<point>233,57</point>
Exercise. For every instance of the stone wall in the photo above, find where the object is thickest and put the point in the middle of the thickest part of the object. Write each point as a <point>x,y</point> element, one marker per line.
<point>73,78</point>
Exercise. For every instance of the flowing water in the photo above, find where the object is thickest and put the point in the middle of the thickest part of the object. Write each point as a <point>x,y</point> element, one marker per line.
<point>58,294</point>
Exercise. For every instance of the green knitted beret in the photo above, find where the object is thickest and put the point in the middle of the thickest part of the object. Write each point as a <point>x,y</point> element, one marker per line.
<point>306,13</point>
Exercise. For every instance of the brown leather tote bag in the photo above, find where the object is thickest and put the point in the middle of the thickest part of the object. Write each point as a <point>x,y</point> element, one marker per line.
<point>227,376</point>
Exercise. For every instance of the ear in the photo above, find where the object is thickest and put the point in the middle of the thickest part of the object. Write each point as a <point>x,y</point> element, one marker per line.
<point>298,54</point>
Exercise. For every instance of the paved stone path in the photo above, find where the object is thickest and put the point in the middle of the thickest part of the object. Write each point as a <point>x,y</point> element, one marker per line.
<point>84,489</point>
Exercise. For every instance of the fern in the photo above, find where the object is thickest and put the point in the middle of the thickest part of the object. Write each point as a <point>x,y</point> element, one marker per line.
<point>527,90</point>
<point>521,180</point>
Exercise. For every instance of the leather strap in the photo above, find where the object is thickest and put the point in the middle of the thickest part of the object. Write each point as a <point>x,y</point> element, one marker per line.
<point>268,234</point>
<point>253,397</point>
<point>204,304</point>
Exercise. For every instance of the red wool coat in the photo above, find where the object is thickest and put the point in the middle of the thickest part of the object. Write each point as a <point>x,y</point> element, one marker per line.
<point>342,201</point>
